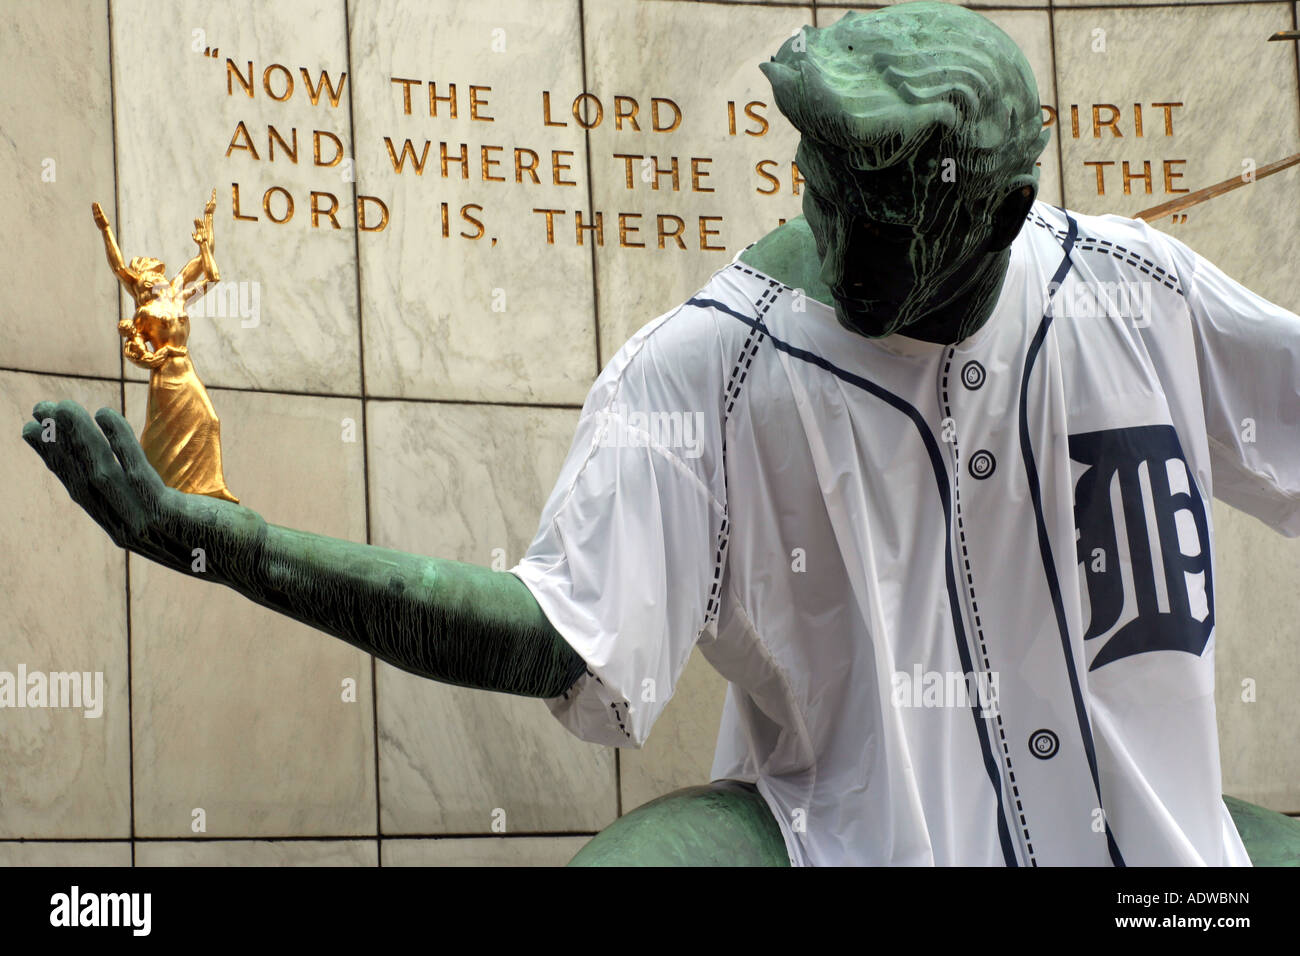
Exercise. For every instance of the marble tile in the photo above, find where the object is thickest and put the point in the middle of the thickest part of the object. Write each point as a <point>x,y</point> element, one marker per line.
<point>1240,104</point>
<point>285,314</point>
<point>460,482</point>
<point>1255,640</point>
<point>257,853</point>
<point>56,157</point>
<point>483,851</point>
<point>63,605</point>
<point>474,306</point>
<point>679,751</point>
<point>65,854</point>
<point>699,73</point>
<point>238,710</point>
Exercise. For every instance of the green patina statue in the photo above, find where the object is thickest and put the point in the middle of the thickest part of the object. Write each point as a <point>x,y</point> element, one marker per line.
<point>911,200</point>
<point>888,238</point>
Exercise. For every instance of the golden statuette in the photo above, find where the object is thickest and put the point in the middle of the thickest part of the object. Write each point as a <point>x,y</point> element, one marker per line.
<point>182,434</point>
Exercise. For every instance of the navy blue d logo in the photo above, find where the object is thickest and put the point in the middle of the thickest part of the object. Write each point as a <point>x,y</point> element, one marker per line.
<point>1143,544</point>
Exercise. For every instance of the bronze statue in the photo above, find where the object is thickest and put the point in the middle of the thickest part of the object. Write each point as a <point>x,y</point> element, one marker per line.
<point>900,255</point>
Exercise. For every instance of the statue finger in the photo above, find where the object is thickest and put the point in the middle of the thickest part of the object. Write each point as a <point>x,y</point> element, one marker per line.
<point>62,461</point>
<point>51,435</point>
<point>74,425</point>
<point>135,464</point>
<point>88,450</point>
<point>32,434</point>
<point>55,458</point>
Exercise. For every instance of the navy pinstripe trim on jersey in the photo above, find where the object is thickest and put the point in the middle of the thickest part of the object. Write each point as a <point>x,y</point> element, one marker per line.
<point>735,382</point>
<point>1090,243</point>
<point>614,707</point>
<point>980,642</point>
<point>1044,543</point>
<point>941,479</point>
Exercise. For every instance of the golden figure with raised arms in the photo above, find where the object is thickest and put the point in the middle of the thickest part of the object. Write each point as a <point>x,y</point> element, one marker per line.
<point>182,434</point>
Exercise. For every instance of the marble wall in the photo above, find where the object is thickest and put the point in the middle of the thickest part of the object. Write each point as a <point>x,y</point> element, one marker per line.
<point>414,382</point>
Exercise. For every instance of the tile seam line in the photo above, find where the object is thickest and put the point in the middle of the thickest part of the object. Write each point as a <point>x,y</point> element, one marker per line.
<point>595,303</point>
<point>1056,103</point>
<point>365,424</point>
<point>308,838</point>
<point>411,399</point>
<point>121,395</point>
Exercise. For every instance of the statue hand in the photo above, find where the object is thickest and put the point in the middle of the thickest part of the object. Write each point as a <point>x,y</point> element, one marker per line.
<point>211,206</point>
<point>100,219</point>
<point>159,356</point>
<point>107,474</point>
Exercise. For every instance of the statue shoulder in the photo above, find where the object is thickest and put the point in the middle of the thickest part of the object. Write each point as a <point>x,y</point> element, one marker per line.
<point>788,254</point>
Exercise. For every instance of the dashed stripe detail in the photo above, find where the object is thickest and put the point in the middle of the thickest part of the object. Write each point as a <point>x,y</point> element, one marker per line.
<point>622,719</point>
<point>736,381</point>
<point>975,610</point>
<point>1127,256</point>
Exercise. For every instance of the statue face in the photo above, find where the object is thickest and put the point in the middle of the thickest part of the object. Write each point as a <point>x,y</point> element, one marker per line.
<point>153,284</point>
<point>895,243</point>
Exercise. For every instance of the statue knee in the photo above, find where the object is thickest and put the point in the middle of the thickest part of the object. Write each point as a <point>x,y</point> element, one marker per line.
<point>725,823</point>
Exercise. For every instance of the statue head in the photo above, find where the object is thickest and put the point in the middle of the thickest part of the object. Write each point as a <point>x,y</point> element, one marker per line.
<point>150,274</point>
<point>920,127</point>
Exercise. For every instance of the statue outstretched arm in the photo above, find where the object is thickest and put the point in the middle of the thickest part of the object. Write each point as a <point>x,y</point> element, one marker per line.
<point>202,265</point>
<point>115,261</point>
<point>197,276</point>
<point>191,273</point>
<point>452,622</point>
<point>457,623</point>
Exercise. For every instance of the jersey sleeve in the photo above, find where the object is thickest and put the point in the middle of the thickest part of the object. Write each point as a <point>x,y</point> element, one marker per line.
<point>1248,350</point>
<point>627,561</point>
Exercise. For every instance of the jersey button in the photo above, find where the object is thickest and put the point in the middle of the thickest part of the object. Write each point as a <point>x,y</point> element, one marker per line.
<point>981,464</point>
<point>972,375</point>
<point>1043,744</point>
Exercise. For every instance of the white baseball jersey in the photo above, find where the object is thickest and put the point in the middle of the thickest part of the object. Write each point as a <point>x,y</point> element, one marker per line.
<point>963,594</point>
